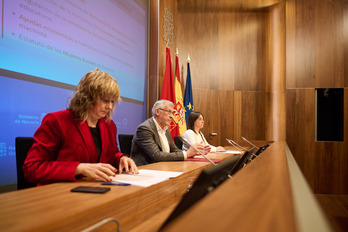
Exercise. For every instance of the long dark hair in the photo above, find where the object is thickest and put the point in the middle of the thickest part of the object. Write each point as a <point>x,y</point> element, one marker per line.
<point>192,118</point>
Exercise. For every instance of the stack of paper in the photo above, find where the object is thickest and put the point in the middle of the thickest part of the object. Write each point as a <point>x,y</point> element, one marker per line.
<point>145,177</point>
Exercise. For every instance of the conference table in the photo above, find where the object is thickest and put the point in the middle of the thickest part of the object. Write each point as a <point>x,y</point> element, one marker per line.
<point>54,208</point>
<point>260,193</point>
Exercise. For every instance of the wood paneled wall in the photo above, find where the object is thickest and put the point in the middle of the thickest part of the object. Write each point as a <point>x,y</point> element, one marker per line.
<point>232,52</point>
<point>231,67</point>
<point>316,45</point>
<point>255,65</point>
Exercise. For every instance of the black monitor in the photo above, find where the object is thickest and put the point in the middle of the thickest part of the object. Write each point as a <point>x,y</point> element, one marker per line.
<point>243,161</point>
<point>261,149</point>
<point>205,183</point>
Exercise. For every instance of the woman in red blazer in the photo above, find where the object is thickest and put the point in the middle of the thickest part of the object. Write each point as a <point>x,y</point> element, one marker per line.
<point>80,141</point>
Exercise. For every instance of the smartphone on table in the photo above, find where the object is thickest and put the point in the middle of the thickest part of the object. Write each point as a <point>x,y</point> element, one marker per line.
<point>89,189</point>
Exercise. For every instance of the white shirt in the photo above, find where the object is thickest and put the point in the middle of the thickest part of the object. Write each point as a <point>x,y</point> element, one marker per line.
<point>163,138</point>
<point>192,138</point>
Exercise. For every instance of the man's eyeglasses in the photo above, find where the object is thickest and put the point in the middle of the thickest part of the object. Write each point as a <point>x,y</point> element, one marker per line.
<point>168,111</point>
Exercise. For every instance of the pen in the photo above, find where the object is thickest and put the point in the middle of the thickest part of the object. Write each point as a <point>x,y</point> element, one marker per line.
<point>115,183</point>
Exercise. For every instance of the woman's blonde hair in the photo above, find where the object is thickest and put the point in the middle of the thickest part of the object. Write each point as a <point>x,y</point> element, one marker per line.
<point>94,86</point>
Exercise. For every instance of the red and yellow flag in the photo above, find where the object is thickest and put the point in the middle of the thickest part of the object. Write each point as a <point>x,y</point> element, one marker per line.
<point>168,92</point>
<point>179,105</point>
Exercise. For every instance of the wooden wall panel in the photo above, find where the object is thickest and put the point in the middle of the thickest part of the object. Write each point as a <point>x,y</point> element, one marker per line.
<point>214,105</point>
<point>328,44</point>
<point>324,164</point>
<point>198,40</point>
<point>299,44</point>
<point>343,176</point>
<point>253,125</point>
<point>230,50</point>
<point>227,121</point>
<point>231,53</point>
<point>228,53</point>
<point>225,55</point>
<point>330,170</point>
<point>232,114</point>
<point>316,45</point>
<point>249,51</point>
<point>227,49</point>
<point>300,124</point>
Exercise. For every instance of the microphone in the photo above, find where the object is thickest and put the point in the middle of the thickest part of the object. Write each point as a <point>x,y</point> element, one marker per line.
<point>249,142</point>
<point>234,144</point>
<point>187,144</point>
<point>238,145</point>
<point>230,142</point>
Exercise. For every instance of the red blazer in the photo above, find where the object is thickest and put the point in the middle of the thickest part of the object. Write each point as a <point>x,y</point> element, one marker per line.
<point>61,143</point>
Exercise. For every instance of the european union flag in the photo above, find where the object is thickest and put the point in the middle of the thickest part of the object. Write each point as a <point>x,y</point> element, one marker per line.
<point>188,99</point>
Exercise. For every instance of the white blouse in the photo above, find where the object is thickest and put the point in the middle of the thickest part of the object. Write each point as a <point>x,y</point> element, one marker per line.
<point>192,138</point>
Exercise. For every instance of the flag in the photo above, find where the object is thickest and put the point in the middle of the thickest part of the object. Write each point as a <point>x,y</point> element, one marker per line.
<point>168,92</point>
<point>188,99</point>
<point>179,104</point>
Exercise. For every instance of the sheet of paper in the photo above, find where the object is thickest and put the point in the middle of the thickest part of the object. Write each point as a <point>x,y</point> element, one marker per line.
<point>229,152</point>
<point>203,159</point>
<point>145,178</point>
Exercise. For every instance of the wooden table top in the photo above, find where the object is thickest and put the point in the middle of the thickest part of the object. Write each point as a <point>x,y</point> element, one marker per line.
<point>54,207</point>
<point>259,197</point>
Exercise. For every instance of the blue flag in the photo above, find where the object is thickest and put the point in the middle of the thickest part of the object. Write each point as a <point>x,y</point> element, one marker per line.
<point>188,99</point>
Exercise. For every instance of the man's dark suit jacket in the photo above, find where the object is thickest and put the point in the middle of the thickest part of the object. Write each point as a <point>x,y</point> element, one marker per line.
<point>146,145</point>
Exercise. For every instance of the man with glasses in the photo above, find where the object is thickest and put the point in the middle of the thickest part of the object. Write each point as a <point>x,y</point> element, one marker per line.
<point>152,141</point>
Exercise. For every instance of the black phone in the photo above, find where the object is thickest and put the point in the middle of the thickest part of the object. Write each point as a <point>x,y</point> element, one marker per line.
<point>89,189</point>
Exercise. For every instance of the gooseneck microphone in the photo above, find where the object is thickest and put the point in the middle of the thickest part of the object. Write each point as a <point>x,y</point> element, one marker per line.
<point>249,142</point>
<point>232,143</point>
<point>238,145</point>
<point>187,144</point>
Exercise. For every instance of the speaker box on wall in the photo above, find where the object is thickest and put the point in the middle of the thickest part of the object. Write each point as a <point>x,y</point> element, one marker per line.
<point>329,114</point>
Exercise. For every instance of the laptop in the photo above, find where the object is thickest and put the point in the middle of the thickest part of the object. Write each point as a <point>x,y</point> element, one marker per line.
<point>261,149</point>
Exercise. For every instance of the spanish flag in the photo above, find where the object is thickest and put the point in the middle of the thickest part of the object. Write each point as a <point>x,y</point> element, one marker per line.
<point>179,104</point>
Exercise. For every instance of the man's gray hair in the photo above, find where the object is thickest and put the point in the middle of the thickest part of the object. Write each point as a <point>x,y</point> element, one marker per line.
<point>160,104</point>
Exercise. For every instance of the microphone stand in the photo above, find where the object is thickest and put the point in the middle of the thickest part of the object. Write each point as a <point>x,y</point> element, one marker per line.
<point>249,142</point>
<point>238,145</point>
<point>190,145</point>
<point>230,142</point>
